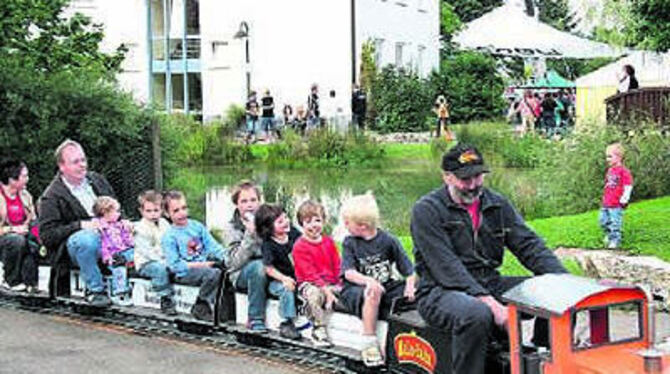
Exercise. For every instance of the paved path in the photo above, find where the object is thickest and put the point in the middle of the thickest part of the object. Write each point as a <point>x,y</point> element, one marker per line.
<point>34,343</point>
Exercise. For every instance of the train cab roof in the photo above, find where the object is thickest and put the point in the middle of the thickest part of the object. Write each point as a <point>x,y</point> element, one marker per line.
<point>557,293</point>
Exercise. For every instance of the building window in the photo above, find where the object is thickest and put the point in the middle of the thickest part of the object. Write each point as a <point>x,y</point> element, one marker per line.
<point>419,59</point>
<point>379,52</point>
<point>175,39</point>
<point>398,54</point>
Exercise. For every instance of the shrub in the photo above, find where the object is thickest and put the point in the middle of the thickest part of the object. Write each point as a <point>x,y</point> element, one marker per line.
<point>324,148</point>
<point>471,84</point>
<point>39,111</point>
<point>202,144</point>
<point>402,100</point>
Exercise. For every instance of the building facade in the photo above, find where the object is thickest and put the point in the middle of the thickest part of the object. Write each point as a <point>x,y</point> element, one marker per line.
<point>200,56</point>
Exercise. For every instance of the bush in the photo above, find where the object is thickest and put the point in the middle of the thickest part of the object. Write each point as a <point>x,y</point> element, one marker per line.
<point>197,144</point>
<point>324,148</point>
<point>472,86</point>
<point>39,111</point>
<point>402,100</point>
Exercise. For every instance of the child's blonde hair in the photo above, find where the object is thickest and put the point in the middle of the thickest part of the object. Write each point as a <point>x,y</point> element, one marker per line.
<point>104,204</point>
<point>309,209</point>
<point>361,209</point>
<point>616,148</point>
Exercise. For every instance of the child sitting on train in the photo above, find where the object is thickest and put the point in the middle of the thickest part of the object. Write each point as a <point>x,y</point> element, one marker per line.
<point>317,270</point>
<point>149,258</point>
<point>116,239</point>
<point>368,256</point>
<point>274,227</point>
<point>192,254</point>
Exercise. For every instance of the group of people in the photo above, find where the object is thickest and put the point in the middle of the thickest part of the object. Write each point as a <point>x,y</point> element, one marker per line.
<point>459,231</point>
<point>551,113</point>
<point>260,117</point>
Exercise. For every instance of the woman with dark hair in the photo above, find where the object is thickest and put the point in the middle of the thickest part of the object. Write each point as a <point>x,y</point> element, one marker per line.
<point>16,214</point>
<point>627,80</point>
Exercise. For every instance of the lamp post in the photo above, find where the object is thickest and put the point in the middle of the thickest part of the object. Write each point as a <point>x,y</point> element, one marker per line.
<point>243,33</point>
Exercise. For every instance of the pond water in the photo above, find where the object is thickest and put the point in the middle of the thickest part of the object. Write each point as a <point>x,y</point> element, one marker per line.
<point>396,188</point>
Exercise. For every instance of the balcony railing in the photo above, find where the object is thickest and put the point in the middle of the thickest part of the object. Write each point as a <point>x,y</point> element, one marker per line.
<point>176,48</point>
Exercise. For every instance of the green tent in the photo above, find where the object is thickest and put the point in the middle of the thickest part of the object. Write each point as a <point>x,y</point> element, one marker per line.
<point>553,80</point>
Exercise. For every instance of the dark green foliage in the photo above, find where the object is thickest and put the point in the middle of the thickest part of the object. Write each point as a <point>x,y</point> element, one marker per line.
<point>38,112</point>
<point>651,23</point>
<point>402,100</point>
<point>557,13</point>
<point>37,32</point>
<point>472,86</point>
<point>467,10</point>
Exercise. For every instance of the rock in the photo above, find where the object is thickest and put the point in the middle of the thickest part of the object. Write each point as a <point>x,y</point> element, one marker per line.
<point>649,272</point>
<point>403,137</point>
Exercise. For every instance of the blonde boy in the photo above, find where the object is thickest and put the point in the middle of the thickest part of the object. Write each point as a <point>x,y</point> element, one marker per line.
<point>368,256</point>
<point>616,194</point>
<point>149,258</point>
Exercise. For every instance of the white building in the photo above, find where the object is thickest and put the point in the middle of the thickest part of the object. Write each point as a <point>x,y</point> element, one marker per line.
<point>282,45</point>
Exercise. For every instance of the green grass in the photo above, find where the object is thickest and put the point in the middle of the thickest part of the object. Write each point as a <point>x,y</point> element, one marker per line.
<point>397,151</point>
<point>646,229</point>
<point>646,232</point>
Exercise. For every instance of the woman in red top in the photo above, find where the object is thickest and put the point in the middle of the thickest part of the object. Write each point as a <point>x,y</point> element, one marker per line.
<point>16,213</point>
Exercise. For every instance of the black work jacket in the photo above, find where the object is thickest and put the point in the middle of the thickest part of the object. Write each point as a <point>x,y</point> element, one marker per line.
<point>61,213</point>
<point>449,254</point>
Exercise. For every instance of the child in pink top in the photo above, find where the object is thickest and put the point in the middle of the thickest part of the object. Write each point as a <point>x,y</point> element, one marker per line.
<point>317,270</point>
<point>616,194</point>
<point>117,244</point>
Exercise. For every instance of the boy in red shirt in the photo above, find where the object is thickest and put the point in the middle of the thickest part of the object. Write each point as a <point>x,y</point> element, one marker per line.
<point>616,194</point>
<point>317,270</point>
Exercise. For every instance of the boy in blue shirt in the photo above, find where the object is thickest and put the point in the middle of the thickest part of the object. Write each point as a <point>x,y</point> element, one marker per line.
<point>192,254</point>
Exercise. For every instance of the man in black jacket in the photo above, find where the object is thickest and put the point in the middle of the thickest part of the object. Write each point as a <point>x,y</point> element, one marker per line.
<point>460,232</point>
<point>66,225</point>
<point>358,107</point>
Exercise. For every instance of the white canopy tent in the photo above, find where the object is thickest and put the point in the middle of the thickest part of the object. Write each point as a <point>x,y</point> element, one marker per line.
<point>509,31</point>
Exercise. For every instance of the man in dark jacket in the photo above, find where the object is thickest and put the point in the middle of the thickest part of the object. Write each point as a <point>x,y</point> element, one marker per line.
<point>460,232</point>
<point>66,225</point>
<point>358,107</point>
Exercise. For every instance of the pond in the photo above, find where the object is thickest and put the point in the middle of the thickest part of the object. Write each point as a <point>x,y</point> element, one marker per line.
<point>396,188</point>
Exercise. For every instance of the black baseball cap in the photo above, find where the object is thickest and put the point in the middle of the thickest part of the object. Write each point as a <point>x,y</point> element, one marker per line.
<point>464,161</point>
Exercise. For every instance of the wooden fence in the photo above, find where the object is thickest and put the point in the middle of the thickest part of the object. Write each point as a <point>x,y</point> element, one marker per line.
<point>645,104</point>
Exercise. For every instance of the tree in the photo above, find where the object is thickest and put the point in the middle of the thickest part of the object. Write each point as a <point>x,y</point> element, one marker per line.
<point>37,32</point>
<point>651,23</point>
<point>468,10</point>
<point>556,13</point>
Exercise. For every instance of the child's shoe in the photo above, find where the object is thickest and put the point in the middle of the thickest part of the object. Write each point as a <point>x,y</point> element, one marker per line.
<point>320,337</point>
<point>612,245</point>
<point>287,330</point>
<point>18,288</point>
<point>372,356</point>
<point>202,311</point>
<point>257,325</point>
<point>168,306</point>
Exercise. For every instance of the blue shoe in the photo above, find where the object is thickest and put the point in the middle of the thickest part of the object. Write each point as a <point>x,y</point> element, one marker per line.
<point>257,325</point>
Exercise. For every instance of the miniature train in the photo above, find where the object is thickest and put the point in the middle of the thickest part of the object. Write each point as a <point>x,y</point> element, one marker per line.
<point>594,328</point>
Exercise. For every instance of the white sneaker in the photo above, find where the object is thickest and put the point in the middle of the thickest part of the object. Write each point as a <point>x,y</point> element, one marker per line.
<point>19,287</point>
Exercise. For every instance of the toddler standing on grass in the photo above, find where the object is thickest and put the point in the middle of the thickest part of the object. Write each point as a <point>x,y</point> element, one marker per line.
<point>616,195</point>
